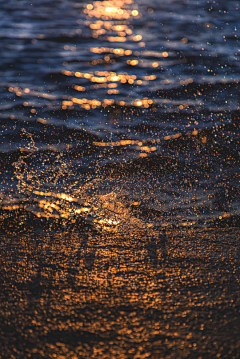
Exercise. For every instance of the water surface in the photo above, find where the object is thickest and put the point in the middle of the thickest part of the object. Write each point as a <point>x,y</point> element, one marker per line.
<point>120,114</point>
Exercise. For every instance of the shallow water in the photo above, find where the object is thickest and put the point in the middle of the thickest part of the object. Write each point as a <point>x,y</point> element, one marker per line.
<point>120,114</point>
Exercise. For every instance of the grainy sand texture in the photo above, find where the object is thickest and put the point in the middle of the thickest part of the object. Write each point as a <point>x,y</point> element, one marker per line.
<point>149,294</point>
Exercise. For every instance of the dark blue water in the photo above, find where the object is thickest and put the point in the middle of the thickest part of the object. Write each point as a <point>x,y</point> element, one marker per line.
<point>120,114</point>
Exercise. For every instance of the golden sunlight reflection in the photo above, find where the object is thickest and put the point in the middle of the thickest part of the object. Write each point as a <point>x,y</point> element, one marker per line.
<point>110,21</point>
<point>105,212</point>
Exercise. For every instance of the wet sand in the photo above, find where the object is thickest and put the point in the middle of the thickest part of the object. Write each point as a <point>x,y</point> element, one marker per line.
<point>172,294</point>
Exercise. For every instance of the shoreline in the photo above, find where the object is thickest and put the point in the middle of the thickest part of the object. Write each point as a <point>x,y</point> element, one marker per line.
<point>149,294</point>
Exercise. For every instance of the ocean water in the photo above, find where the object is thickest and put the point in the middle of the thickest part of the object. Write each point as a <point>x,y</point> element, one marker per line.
<point>119,114</point>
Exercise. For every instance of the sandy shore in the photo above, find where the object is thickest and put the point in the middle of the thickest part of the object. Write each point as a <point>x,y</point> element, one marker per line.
<point>174,294</point>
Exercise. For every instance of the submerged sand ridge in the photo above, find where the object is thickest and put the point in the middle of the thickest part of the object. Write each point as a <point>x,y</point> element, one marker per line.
<point>142,294</point>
